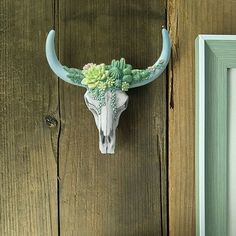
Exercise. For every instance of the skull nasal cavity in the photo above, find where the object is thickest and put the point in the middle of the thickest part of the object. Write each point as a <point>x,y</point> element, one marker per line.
<point>105,139</point>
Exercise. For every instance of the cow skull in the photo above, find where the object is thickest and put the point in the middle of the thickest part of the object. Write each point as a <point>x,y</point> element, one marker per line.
<point>106,86</point>
<point>106,117</point>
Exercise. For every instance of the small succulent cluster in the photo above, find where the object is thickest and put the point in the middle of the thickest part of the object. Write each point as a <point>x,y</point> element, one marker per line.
<point>74,74</point>
<point>99,78</point>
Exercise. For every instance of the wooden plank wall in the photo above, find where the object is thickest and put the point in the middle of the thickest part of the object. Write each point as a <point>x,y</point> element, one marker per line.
<point>28,93</point>
<point>186,20</point>
<point>53,179</point>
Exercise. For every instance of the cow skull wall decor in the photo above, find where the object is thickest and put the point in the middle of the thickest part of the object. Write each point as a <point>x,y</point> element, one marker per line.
<point>106,86</point>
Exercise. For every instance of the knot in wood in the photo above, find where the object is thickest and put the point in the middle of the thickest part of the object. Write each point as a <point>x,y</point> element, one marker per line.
<point>51,121</point>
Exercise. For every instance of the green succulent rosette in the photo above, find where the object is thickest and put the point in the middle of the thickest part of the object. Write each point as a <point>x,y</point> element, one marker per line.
<point>94,75</point>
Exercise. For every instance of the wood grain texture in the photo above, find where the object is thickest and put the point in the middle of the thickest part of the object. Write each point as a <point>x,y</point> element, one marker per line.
<point>186,20</point>
<point>123,194</point>
<point>28,196</point>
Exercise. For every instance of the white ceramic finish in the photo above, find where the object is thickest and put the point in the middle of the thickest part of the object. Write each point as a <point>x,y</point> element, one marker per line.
<point>107,120</point>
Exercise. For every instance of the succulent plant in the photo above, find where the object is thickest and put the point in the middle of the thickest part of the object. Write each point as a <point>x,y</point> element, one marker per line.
<point>115,73</point>
<point>93,74</point>
<point>140,74</point>
<point>125,86</point>
<point>119,70</point>
<point>74,74</point>
<point>118,83</point>
<point>127,78</point>
<point>110,82</point>
<point>102,86</point>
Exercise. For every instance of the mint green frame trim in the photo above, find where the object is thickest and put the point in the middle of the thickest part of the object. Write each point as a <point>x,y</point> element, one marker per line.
<point>215,54</point>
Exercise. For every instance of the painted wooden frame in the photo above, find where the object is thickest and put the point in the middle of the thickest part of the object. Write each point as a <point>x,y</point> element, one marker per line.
<point>215,54</point>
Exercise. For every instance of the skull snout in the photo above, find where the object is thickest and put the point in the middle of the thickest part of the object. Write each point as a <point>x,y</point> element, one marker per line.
<point>107,142</point>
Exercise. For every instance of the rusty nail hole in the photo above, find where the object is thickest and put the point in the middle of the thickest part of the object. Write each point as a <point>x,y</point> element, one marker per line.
<point>51,121</point>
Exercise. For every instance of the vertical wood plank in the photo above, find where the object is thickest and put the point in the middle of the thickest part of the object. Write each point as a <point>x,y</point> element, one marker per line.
<point>123,194</point>
<point>28,196</point>
<point>186,20</point>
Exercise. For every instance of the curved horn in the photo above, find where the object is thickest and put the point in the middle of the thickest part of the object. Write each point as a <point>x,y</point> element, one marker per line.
<point>160,65</point>
<point>53,62</point>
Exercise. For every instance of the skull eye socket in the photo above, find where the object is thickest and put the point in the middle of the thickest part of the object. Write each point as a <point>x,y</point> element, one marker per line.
<point>91,106</point>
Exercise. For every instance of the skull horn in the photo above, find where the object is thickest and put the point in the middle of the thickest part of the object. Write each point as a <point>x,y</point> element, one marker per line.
<point>54,63</point>
<point>62,72</point>
<point>160,65</point>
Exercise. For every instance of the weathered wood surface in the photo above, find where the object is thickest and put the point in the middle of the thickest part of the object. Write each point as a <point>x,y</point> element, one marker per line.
<point>123,194</point>
<point>186,20</point>
<point>28,92</point>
